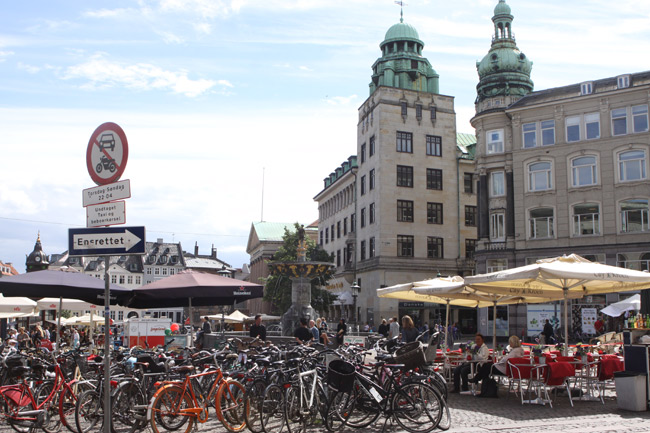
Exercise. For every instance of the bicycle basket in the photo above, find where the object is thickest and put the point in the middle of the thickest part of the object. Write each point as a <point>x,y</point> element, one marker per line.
<point>340,375</point>
<point>411,355</point>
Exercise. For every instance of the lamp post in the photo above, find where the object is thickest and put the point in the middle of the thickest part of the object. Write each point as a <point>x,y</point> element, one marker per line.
<point>354,290</point>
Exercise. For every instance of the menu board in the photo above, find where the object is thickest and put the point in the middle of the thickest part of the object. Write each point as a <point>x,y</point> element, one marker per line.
<point>589,317</point>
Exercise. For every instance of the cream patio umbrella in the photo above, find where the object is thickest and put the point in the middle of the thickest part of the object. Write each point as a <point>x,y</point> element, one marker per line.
<point>15,306</point>
<point>569,276</point>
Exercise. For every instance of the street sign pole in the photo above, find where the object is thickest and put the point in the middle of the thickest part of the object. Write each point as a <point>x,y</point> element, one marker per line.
<point>107,348</point>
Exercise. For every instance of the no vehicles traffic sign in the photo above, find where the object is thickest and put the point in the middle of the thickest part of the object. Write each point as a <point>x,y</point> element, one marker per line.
<point>107,153</point>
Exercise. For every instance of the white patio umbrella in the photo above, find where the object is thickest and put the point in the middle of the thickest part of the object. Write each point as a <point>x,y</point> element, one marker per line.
<point>234,317</point>
<point>569,275</point>
<point>16,306</point>
<point>632,303</point>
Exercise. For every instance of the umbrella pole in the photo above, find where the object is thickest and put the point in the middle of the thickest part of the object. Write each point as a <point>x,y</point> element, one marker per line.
<point>566,322</point>
<point>447,325</point>
<point>90,332</point>
<point>494,328</point>
<point>58,324</point>
<point>107,347</point>
<point>189,311</point>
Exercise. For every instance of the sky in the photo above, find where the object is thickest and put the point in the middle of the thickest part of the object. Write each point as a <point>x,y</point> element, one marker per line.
<point>236,110</point>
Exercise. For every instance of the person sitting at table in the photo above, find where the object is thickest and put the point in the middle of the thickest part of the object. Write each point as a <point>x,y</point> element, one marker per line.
<point>481,354</point>
<point>516,351</point>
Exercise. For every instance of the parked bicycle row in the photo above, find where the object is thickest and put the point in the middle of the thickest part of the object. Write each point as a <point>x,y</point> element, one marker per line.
<point>262,388</point>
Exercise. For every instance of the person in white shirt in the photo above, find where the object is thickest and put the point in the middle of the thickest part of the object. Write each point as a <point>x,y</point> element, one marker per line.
<point>481,354</point>
<point>393,328</point>
<point>516,351</point>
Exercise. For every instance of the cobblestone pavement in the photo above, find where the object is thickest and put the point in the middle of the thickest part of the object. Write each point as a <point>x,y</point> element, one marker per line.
<point>506,414</point>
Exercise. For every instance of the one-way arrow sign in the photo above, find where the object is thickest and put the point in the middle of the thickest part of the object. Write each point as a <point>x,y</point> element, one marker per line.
<point>112,241</point>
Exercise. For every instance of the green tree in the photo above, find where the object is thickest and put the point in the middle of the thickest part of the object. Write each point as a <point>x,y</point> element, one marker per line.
<point>277,288</point>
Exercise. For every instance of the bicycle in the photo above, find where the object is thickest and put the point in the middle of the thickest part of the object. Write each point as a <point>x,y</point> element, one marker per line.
<point>180,404</point>
<point>304,399</point>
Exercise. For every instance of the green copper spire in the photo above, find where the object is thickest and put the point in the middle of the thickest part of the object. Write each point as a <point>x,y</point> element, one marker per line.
<point>401,64</point>
<point>505,70</point>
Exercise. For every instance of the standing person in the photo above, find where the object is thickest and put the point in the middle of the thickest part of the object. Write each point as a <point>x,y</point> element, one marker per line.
<point>341,330</point>
<point>302,334</point>
<point>258,330</point>
<point>314,331</point>
<point>23,339</point>
<point>383,328</point>
<point>393,328</point>
<point>206,328</point>
<point>75,338</point>
<point>548,333</point>
<point>37,335</point>
<point>409,331</point>
<point>481,354</point>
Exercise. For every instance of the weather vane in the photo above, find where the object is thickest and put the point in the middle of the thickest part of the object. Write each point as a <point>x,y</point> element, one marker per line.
<point>401,9</point>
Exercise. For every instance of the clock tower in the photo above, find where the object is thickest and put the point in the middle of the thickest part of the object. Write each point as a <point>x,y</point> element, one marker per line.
<point>37,259</point>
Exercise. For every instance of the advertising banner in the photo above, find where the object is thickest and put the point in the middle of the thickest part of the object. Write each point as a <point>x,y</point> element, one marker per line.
<point>537,315</point>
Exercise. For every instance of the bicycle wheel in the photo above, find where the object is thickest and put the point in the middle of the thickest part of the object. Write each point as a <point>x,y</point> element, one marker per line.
<point>295,415</point>
<point>272,413</point>
<point>445,419</point>
<point>362,408</point>
<point>89,411</point>
<point>338,410</point>
<point>128,413</point>
<point>68,403</point>
<point>10,411</point>
<point>52,422</point>
<point>230,405</point>
<point>166,407</point>
<point>252,405</point>
<point>417,407</point>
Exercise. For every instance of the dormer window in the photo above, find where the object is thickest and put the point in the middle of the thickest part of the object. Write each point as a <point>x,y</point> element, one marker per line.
<point>623,81</point>
<point>587,88</point>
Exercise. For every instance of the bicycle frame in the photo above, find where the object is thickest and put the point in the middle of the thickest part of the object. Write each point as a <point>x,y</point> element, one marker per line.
<point>312,392</point>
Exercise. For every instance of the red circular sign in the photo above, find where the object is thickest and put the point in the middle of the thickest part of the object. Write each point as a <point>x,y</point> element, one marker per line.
<point>107,153</point>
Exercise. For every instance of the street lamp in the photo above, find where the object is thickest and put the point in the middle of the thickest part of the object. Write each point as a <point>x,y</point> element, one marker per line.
<point>354,290</point>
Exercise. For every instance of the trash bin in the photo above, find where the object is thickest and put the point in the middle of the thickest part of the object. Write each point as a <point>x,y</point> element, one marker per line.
<point>631,390</point>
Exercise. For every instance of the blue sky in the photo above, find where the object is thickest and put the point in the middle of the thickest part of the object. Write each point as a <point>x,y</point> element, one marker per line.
<point>212,93</point>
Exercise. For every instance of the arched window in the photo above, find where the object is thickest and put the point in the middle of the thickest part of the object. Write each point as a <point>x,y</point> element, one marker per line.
<point>541,223</point>
<point>539,176</point>
<point>584,171</point>
<point>632,165</point>
<point>586,219</point>
<point>634,215</point>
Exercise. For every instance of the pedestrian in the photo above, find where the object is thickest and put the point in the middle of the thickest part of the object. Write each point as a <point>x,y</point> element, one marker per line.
<point>409,331</point>
<point>258,330</point>
<point>23,339</point>
<point>302,334</point>
<point>341,330</point>
<point>75,338</point>
<point>393,328</point>
<point>383,328</point>
<point>548,333</point>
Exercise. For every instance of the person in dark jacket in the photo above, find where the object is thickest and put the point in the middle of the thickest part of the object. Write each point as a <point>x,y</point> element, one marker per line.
<point>302,333</point>
<point>383,328</point>
<point>341,330</point>
<point>548,333</point>
<point>258,330</point>
<point>409,331</point>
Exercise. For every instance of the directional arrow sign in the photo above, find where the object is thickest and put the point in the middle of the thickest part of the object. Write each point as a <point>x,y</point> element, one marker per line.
<point>112,241</point>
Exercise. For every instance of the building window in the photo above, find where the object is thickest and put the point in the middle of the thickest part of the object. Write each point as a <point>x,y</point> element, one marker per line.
<point>327,235</point>
<point>372,179</point>
<point>572,129</point>
<point>497,184</point>
<point>434,213</point>
<point>172,271</point>
<point>371,214</point>
<point>468,181</point>
<point>404,246</point>
<point>363,153</point>
<point>623,81</point>
<point>338,230</point>
<point>435,248</point>
<point>539,176</point>
<point>363,250</point>
<point>138,280</point>
<point>639,115</point>
<point>404,142</point>
<point>156,271</point>
<point>371,146</point>
<point>122,279</point>
<point>592,126</point>
<point>634,216</point>
<point>148,271</point>
<point>405,211</point>
<point>495,141</point>
<point>164,271</point>
<point>405,176</point>
<point>338,258</point>
<point>434,145</point>
<point>371,247</point>
<point>434,178</point>
<point>495,265</point>
<point>470,248</point>
<point>631,165</point>
<point>470,216</point>
<point>129,279</point>
<point>587,126</point>
<point>541,223</point>
<point>332,232</point>
<point>113,279</point>
<point>586,88</point>
<point>544,129</point>
<point>498,226</point>
<point>363,217</point>
<point>321,237</point>
<point>404,108</point>
<point>584,171</point>
<point>418,112</point>
<point>353,222</point>
<point>345,226</point>
<point>433,112</point>
<point>586,219</point>
<point>363,184</point>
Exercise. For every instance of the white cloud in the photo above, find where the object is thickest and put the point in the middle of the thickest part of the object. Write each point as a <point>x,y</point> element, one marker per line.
<point>109,13</point>
<point>171,38</point>
<point>102,73</point>
<point>5,54</point>
<point>225,83</point>
<point>28,68</point>
<point>341,100</point>
<point>305,68</point>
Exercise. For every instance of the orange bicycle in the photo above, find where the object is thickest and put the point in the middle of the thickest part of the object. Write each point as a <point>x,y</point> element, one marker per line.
<point>176,406</point>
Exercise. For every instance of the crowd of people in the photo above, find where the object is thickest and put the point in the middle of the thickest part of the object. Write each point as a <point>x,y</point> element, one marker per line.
<point>45,336</point>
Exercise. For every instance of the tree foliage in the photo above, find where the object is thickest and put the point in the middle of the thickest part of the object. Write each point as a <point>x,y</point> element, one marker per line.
<point>277,288</point>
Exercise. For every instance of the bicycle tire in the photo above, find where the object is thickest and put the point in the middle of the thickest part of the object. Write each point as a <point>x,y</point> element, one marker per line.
<point>339,407</point>
<point>417,407</point>
<point>294,417</point>
<point>252,405</point>
<point>365,409</point>
<point>89,411</point>
<point>68,403</point>
<point>272,413</point>
<point>52,422</point>
<point>9,409</point>
<point>127,415</point>
<point>230,405</point>
<point>163,412</point>
<point>445,419</point>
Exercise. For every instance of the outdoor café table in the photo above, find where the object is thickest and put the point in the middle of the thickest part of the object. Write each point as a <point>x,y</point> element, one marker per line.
<point>472,363</point>
<point>586,378</point>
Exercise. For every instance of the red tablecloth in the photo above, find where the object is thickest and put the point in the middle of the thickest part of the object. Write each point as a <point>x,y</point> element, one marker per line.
<point>608,365</point>
<point>558,371</point>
